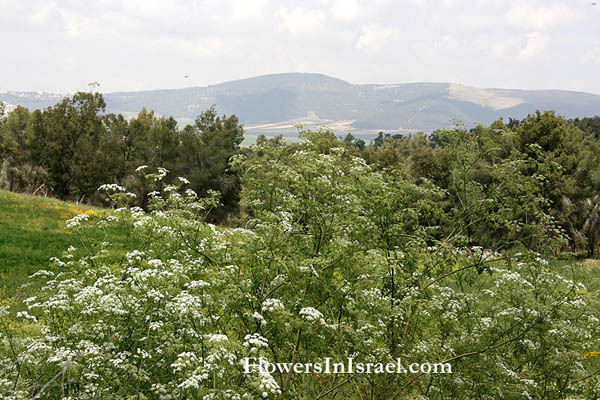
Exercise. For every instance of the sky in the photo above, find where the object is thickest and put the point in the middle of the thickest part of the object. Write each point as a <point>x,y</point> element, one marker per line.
<point>62,46</point>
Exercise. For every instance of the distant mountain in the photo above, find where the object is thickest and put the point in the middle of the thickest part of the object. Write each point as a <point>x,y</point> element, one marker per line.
<point>272,104</point>
<point>31,100</point>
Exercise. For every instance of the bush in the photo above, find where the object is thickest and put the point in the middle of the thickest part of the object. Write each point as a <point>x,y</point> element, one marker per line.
<point>337,261</point>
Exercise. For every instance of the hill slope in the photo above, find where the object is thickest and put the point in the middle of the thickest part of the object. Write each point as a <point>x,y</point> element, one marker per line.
<point>273,103</point>
<point>32,230</point>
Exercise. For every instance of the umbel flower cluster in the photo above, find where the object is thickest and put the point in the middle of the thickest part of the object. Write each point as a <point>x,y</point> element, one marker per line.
<point>337,261</point>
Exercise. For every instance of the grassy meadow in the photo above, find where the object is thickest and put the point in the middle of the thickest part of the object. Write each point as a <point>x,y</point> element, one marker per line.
<point>33,229</point>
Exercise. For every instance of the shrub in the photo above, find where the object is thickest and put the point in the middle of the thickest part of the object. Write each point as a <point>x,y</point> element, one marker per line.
<point>337,261</point>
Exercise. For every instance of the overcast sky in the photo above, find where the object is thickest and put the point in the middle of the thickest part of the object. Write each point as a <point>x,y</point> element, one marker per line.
<point>61,46</point>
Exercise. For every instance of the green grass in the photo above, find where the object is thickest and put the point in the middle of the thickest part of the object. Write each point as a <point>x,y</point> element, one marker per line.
<point>33,229</point>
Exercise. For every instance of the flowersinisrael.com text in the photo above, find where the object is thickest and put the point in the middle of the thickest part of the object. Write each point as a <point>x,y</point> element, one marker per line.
<point>349,366</point>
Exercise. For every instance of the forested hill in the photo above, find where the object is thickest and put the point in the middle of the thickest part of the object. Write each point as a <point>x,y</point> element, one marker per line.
<point>273,103</point>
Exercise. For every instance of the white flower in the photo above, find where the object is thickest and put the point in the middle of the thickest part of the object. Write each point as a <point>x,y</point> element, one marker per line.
<point>134,255</point>
<point>259,317</point>
<point>111,187</point>
<point>112,218</point>
<point>255,341</point>
<point>155,263</point>
<point>141,168</point>
<point>77,220</point>
<point>57,261</point>
<point>197,284</point>
<point>142,222</point>
<point>311,314</point>
<point>271,305</point>
<point>24,314</point>
<point>216,337</point>
<point>162,172</point>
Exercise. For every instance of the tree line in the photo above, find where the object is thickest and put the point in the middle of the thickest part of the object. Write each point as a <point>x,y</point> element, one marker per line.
<point>534,181</point>
<point>68,150</point>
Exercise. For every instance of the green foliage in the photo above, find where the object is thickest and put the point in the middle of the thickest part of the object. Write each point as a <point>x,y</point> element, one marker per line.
<point>339,259</point>
<point>497,203</point>
<point>72,130</point>
<point>18,152</point>
<point>206,148</point>
<point>508,185</point>
<point>589,125</point>
<point>358,143</point>
<point>70,149</point>
<point>425,248</point>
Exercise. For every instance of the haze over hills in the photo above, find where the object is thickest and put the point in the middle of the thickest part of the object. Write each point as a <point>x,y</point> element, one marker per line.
<point>272,104</point>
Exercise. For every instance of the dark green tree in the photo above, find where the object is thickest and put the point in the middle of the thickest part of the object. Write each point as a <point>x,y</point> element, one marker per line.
<point>589,125</point>
<point>206,148</point>
<point>72,129</point>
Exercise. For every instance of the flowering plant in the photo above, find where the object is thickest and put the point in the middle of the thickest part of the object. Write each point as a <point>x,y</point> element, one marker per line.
<point>339,260</point>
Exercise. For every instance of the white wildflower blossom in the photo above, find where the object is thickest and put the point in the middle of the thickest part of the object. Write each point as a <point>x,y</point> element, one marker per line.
<point>111,187</point>
<point>162,172</point>
<point>46,273</point>
<point>57,261</point>
<point>155,263</point>
<point>197,284</point>
<point>216,337</point>
<point>135,255</point>
<point>111,218</point>
<point>77,220</point>
<point>24,314</point>
<point>142,222</point>
<point>311,314</point>
<point>185,360</point>
<point>256,315</point>
<point>265,384</point>
<point>271,305</point>
<point>137,212</point>
<point>255,340</point>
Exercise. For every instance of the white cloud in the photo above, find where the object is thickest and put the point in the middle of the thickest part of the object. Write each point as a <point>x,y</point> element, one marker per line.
<point>445,46</point>
<point>148,44</point>
<point>542,17</point>
<point>592,56</point>
<point>300,20</point>
<point>44,14</point>
<point>345,10</point>
<point>522,47</point>
<point>535,44</point>
<point>374,37</point>
<point>246,10</point>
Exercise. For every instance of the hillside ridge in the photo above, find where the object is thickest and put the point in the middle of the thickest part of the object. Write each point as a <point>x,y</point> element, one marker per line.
<point>274,103</point>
